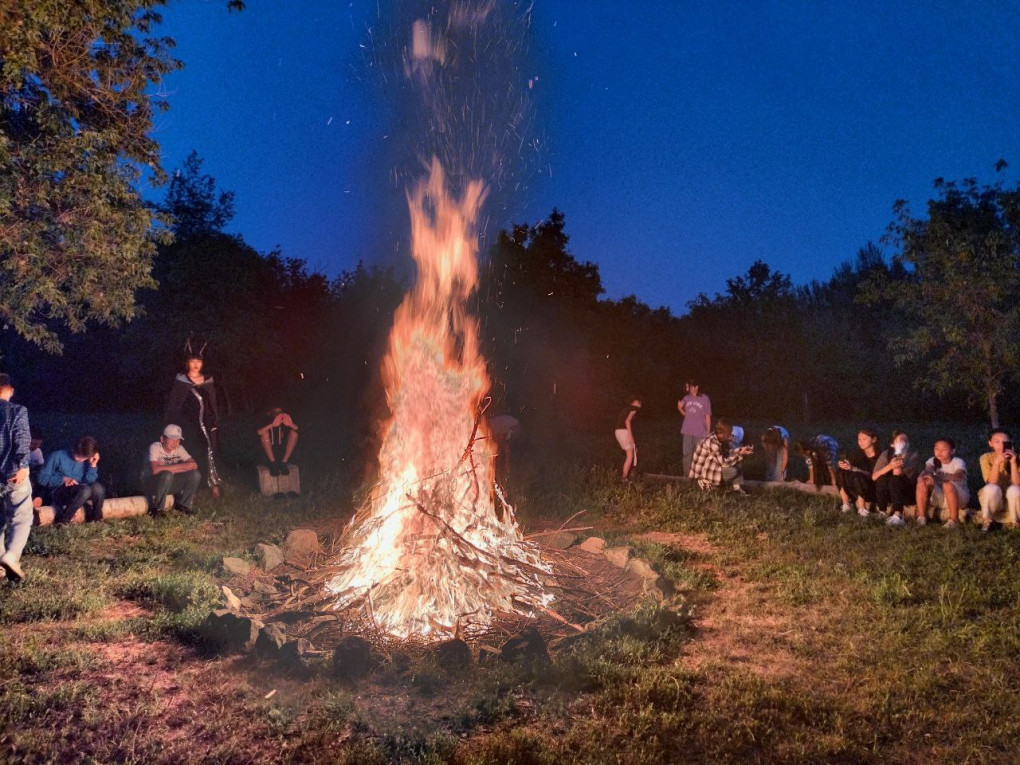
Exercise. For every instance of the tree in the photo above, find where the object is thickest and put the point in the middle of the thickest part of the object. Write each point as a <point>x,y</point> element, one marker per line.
<point>962,293</point>
<point>77,95</point>
<point>192,203</point>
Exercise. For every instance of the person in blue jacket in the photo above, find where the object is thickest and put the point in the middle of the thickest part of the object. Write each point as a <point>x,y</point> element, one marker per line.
<point>72,478</point>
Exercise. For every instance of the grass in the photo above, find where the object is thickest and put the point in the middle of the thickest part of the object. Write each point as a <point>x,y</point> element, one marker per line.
<point>824,638</point>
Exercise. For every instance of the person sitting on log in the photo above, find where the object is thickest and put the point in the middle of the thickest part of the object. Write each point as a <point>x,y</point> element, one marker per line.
<point>715,463</point>
<point>895,477</point>
<point>856,486</point>
<point>821,454</point>
<point>72,479</point>
<point>943,486</point>
<point>278,436</point>
<point>1001,475</point>
<point>170,470</point>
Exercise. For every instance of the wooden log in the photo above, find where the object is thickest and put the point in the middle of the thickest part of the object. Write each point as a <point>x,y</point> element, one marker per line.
<point>115,507</point>
<point>807,488</point>
<point>270,485</point>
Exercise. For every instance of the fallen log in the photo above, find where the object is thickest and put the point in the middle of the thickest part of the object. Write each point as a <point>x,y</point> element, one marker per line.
<point>807,488</point>
<point>115,507</point>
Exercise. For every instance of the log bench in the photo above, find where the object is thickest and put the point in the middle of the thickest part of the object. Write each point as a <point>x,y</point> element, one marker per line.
<point>114,507</point>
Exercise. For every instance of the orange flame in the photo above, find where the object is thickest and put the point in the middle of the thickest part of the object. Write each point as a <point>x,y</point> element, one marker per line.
<point>428,554</point>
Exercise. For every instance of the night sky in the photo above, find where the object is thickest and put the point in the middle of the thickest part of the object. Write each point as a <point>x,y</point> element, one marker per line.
<point>682,140</point>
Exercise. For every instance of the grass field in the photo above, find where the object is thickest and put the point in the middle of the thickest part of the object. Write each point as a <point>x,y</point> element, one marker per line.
<point>801,635</point>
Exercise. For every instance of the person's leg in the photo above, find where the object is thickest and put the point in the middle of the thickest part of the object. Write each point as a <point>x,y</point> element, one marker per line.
<point>1013,505</point>
<point>690,444</point>
<point>883,492</point>
<point>628,462</point>
<point>990,500</point>
<point>94,504</point>
<point>17,507</point>
<point>185,486</point>
<point>921,495</point>
<point>772,458</point>
<point>288,449</point>
<point>70,499</point>
<point>952,501</point>
<point>730,475</point>
<point>161,485</point>
<point>901,491</point>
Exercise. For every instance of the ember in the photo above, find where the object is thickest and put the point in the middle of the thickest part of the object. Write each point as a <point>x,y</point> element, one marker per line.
<point>435,550</point>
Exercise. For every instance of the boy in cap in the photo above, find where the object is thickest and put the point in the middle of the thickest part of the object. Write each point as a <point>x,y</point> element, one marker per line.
<point>16,489</point>
<point>170,470</point>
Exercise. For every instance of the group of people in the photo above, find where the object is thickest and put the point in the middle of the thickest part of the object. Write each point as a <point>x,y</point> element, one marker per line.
<point>68,479</point>
<point>872,479</point>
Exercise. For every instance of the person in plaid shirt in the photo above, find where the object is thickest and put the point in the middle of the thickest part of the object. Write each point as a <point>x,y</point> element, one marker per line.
<point>714,462</point>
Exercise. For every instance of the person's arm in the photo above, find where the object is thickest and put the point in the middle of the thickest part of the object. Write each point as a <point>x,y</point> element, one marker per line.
<point>885,464</point>
<point>708,415</point>
<point>51,474</point>
<point>628,421</point>
<point>786,455</point>
<point>214,409</point>
<point>1014,470</point>
<point>680,407</point>
<point>21,443</point>
<point>959,472</point>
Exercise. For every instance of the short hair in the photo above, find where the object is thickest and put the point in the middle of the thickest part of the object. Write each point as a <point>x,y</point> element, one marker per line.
<point>948,440</point>
<point>86,446</point>
<point>723,426</point>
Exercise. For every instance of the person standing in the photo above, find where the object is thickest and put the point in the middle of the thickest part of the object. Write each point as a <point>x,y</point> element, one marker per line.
<point>72,478</point>
<point>696,409</point>
<point>625,436</point>
<point>192,405</point>
<point>15,443</point>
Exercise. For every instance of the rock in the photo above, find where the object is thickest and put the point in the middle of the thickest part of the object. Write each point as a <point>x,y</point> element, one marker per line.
<point>229,630</point>
<point>593,545</point>
<point>301,546</point>
<point>264,589</point>
<point>249,603</point>
<point>642,568</point>
<point>233,602</point>
<point>618,556</point>
<point>665,586</point>
<point>236,566</point>
<point>269,642</point>
<point>526,648</point>
<point>559,540</point>
<point>269,556</point>
<point>351,658</point>
<point>453,655</point>
<point>291,657</point>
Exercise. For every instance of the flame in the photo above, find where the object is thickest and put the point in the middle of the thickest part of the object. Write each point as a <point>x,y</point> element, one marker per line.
<point>428,554</point>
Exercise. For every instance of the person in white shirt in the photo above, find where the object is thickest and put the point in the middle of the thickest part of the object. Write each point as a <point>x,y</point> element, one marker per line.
<point>943,485</point>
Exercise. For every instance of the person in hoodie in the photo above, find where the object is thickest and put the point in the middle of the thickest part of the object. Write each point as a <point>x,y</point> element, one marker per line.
<point>72,478</point>
<point>192,405</point>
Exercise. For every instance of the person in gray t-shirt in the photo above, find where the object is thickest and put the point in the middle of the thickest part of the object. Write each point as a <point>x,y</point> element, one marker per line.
<point>696,409</point>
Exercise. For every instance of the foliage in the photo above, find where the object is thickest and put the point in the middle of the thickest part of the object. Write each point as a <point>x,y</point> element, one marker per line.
<point>962,295</point>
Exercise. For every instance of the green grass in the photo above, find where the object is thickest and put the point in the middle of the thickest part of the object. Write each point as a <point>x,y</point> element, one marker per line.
<point>893,645</point>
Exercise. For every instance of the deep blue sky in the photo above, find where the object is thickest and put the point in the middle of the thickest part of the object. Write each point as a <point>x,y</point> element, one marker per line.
<point>682,140</point>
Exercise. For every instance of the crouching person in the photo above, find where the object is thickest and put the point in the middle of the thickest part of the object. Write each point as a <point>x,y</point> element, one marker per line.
<point>1002,481</point>
<point>170,470</point>
<point>72,479</point>
<point>715,463</point>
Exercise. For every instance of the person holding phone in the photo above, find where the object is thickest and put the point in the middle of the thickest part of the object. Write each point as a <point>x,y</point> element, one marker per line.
<point>72,478</point>
<point>715,463</point>
<point>895,477</point>
<point>856,486</point>
<point>1001,475</point>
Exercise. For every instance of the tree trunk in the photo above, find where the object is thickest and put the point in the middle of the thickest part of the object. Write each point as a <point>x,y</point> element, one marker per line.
<point>993,406</point>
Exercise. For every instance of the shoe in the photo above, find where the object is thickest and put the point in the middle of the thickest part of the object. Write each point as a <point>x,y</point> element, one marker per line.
<point>283,467</point>
<point>12,567</point>
<point>846,508</point>
<point>274,469</point>
<point>950,524</point>
<point>863,512</point>
<point>895,520</point>
<point>921,520</point>
<point>184,509</point>
<point>157,512</point>
<point>279,495</point>
<point>739,491</point>
<point>292,495</point>
<point>986,527</point>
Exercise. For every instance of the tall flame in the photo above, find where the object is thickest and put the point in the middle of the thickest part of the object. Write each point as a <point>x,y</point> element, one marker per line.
<point>429,553</point>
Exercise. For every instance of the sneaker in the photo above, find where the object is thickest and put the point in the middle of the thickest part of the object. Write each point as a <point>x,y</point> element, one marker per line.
<point>184,509</point>
<point>846,508</point>
<point>950,524</point>
<point>863,512</point>
<point>12,567</point>
<point>921,520</point>
<point>283,468</point>
<point>274,469</point>
<point>895,520</point>
<point>157,512</point>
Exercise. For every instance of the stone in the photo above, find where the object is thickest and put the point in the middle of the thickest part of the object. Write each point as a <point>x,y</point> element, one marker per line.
<point>665,586</point>
<point>269,642</point>
<point>641,568</point>
<point>527,648</point>
<point>236,566</point>
<point>618,556</point>
<point>593,545</point>
<point>262,588</point>
<point>292,657</point>
<point>228,630</point>
<point>249,602</point>
<point>269,556</point>
<point>233,602</point>
<point>300,546</point>
<point>351,658</point>
<point>453,655</point>
<point>559,540</point>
